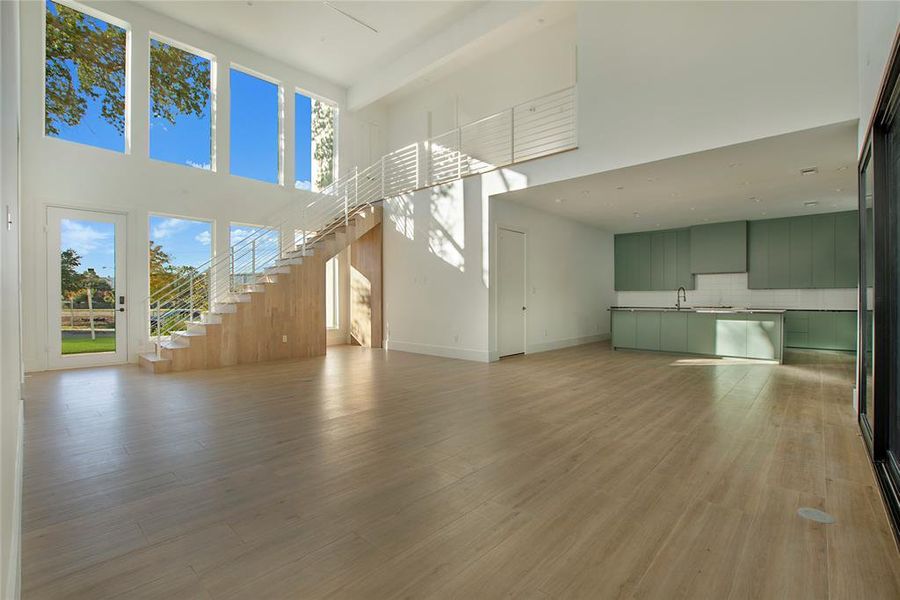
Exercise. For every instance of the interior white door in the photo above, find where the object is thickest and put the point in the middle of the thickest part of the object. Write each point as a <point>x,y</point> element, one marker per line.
<point>86,288</point>
<point>511,305</point>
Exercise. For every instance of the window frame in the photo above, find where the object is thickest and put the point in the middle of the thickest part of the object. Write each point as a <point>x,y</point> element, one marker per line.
<point>279,85</point>
<point>213,95</point>
<point>129,49</point>
<point>337,120</point>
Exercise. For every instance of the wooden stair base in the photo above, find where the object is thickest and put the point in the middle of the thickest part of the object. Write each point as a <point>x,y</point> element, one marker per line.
<point>252,326</point>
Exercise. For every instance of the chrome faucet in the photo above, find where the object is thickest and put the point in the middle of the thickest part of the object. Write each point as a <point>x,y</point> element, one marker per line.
<point>680,294</point>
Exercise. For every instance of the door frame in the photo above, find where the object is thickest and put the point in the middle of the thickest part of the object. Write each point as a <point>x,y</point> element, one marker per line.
<point>524,232</point>
<point>55,358</point>
<point>875,154</point>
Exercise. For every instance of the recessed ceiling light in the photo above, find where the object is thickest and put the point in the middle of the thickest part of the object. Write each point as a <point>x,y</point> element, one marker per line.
<point>809,171</point>
<point>810,203</point>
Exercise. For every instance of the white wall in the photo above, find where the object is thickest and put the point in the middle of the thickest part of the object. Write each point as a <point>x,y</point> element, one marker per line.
<point>568,277</point>
<point>61,173</point>
<point>663,79</point>
<point>730,289</point>
<point>877,26</point>
<point>440,269</point>
<point>538,65</point>
<point>10,307</point>
<point>435,283</point>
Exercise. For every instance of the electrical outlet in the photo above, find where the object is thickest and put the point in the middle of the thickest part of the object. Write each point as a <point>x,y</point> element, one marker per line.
<point>284,339</point>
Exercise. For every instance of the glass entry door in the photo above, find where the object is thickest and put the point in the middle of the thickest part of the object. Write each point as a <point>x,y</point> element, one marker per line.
<point>86,288</point>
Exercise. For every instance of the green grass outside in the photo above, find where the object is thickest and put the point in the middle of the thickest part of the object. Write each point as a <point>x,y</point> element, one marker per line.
<point>82,345</point>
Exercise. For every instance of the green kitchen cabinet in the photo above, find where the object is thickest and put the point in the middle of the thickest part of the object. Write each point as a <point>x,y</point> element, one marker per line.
<point>673,328</point>
<point>646,334</point>
<point>845,331</point>
<point>731,335</point>
<point>764,337</point>
<point>719,247</point>
<point>779,241</point>
<point>821,330</point>
<point>658,260</point>
<point>758,254</point>
<point>846,243</point>
<point>701,336</point>
<point>807,252</point>
<point>683,276</point>
<point>823,251</point>
<point>800,256</point>
<point>796,329</point>
<point>623,329</point>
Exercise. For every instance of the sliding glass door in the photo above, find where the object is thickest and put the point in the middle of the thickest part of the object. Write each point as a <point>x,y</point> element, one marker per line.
<point>878,363</point>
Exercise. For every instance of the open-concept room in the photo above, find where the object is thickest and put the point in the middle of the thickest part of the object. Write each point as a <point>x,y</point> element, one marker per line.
<point>449,299</point>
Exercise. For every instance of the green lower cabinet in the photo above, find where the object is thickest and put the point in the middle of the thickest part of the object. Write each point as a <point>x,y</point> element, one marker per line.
<point>820,330</point>
<point>701,334</point>
<point>673,332</point>
<point>646,334</point>
<point>845,331</point>
<point>731,335</point>
<point>764,337</point>
<point>623,329</point>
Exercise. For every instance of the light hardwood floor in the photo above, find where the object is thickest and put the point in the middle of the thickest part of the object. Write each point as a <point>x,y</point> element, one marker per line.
<point>580,473</point>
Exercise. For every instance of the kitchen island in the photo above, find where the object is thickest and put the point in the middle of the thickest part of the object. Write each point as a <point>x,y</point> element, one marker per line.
<point>721,332</point>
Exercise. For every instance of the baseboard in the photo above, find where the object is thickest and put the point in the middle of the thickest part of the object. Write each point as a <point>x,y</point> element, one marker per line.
<point>15,539</point>
<point>433,350</point>
<point>559,344</point>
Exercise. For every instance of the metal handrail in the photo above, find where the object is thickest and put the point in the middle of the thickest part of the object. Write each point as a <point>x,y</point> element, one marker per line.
<point>542,126</point>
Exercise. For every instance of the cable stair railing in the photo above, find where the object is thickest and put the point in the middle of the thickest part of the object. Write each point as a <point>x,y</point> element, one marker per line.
<point>534,129</point>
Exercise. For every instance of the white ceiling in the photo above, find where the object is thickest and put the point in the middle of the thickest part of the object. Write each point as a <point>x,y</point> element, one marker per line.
<point>314,37</point>
<point>754,180</point>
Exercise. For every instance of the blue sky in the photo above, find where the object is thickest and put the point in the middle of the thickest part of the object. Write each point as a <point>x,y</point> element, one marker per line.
<point>254,129</point>
<point>189,140</point>
<point>186,241</point>
<point>93,241</point>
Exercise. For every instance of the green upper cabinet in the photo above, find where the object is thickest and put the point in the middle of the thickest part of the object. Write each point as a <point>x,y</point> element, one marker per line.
<point>800,252</point>
<point>846,244</point>
<point>779,250</point>
<point>758,254</point>
<point>719,248</point>
<point>658,260</point>
<point>817,251</point>
<point>823,251</point>
<point>683,276</point>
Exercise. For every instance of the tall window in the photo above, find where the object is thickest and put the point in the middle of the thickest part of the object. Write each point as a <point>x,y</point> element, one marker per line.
<point>84,71</point>
<point>180,102</point>
<point>332,287</point>
<point>314,136</point>
<point>177,247</point>
<point>255,149</point>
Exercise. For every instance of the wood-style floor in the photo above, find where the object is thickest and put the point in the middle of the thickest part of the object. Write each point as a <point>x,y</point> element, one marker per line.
<point>580,473</point>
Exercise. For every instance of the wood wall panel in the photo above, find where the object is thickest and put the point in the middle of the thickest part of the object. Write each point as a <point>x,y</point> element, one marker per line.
<point>366,289</point>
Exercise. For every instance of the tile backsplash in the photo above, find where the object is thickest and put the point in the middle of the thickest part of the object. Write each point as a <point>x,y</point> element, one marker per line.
<point>730,289</point>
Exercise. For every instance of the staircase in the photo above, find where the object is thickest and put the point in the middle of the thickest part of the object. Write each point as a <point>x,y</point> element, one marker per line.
<point>264,299</point>
<point>275,316</point>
